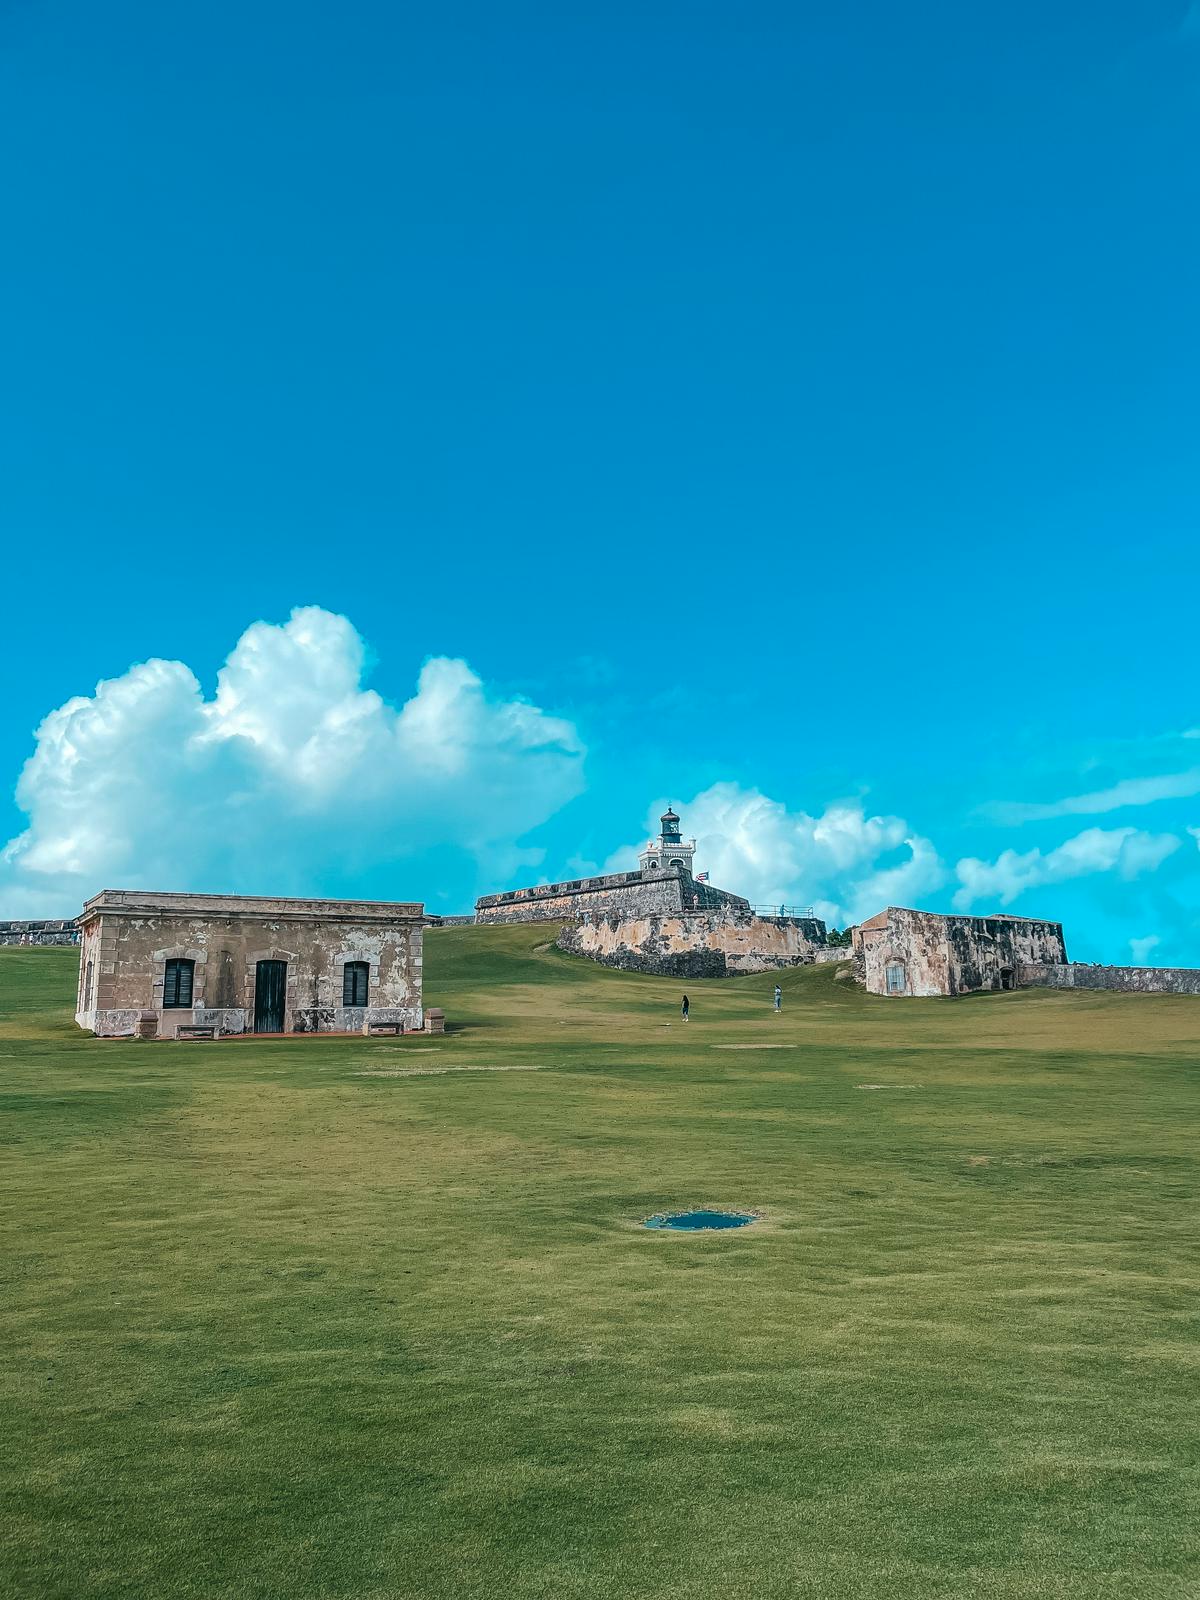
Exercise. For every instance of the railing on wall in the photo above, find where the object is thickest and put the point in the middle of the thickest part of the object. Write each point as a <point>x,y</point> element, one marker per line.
<point>782,911</point>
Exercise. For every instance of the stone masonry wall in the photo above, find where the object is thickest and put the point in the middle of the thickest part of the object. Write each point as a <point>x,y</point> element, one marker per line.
<point>59,931</point>
<point>624,893</point>
<point>1126,980</point>
<point>696,944</point>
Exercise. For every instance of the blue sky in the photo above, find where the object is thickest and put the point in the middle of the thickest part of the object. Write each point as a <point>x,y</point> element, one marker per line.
<point>788,411</point>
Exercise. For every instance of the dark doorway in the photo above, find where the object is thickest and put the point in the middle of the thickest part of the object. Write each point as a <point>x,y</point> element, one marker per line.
<point>270,990</point>
<point>1006,978</point>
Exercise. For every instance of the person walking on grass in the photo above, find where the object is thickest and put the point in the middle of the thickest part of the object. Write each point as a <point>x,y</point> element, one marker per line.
<point>778,998</point>
<point>685,1008</point>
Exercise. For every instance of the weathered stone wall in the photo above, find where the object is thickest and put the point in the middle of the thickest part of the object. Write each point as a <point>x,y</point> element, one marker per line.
<point>128,938</point>
<point>696,944</point>
<point>950,955</point>
<point>630,894</point>
<point>58,931</point>
<point>1125,980</point>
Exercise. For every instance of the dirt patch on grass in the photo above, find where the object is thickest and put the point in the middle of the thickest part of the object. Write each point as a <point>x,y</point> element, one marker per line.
<point>427,1072</point>
<point>755,1047</point>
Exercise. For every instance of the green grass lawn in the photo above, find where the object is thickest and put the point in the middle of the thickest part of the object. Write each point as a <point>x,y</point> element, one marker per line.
<point>372,1318</point>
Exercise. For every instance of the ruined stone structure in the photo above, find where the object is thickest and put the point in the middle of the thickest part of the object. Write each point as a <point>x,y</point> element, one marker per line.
<point>695,944</point>
<point>193,965</point>
<point>1123,980</point>
<point>904,952</point>
<point>58,931</point>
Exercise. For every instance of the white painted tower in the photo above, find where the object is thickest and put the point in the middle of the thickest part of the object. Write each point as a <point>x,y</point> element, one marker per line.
<point>670,849</point>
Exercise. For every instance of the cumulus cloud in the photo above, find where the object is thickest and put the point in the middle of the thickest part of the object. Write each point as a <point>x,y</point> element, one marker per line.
<point>291,778</point>
<point>1127,851</point>
<point>845,863</point>
<point>1141,949</point>
<point>1129,792</point>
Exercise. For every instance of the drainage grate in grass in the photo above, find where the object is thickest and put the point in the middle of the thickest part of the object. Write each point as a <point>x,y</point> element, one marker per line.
<point>694,1221</point>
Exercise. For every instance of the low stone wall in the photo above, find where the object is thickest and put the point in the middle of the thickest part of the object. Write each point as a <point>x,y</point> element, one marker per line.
<point>1124,980</point>
<point>59,931</point>
<point>628,894</point>
<point>834,953</point>
<point>696,944</point>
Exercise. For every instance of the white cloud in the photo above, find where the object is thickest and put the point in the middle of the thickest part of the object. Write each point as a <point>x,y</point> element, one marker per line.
<point>1140,949</point>
<point>1129,792</point>
<point>843,862</point>
<point>1127,851</point>
<point>292,778</point>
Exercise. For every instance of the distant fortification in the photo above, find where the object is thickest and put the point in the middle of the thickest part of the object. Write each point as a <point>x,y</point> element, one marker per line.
<point>663,885</point>
<point>697,944</point>
<point>57,930</point>
<point>662,918</point>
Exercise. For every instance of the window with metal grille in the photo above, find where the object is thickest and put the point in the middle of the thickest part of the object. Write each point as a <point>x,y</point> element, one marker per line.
<point>895,979</point>
<point>87,987</point>
<point>177,983</point>
<point>355,975</point>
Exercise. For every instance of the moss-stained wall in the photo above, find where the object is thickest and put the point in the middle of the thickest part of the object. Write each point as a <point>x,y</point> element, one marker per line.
<point>1125,980</point>
<point>696,944</point>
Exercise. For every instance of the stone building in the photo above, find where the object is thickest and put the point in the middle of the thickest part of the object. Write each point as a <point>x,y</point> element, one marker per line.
<point>170,965</point>
<point>904,952</point>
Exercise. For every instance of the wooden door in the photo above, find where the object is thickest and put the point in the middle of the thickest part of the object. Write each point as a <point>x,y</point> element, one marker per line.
<point>270,994</point>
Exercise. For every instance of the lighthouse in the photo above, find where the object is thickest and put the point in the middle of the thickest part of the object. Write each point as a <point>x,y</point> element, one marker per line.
<point>670,849</point>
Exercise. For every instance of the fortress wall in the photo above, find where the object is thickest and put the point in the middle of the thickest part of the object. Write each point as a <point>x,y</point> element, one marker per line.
<point>630,894</point>
<point>696,944</point>
<point>1126,980</point>
<point>58,931</point>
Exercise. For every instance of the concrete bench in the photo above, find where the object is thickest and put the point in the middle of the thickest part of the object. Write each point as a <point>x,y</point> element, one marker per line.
<point>385,1027</point>
<point>198,1030</point>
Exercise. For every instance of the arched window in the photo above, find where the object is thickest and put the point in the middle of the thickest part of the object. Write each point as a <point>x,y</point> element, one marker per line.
<point>177,984</point>
<point>355,977</point>
<point>653,866</point>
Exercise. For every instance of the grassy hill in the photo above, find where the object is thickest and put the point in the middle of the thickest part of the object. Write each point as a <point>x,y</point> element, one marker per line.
<point>376,1318</point>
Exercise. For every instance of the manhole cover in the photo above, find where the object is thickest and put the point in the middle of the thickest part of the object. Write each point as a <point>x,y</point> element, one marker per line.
<point>694,1221</point>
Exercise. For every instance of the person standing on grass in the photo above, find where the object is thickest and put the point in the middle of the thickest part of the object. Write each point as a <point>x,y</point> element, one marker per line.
<point>686,1007</point>
<point>778,998</point>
